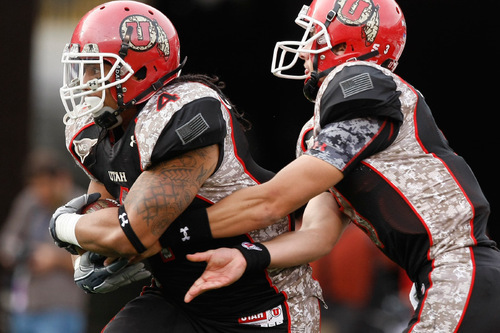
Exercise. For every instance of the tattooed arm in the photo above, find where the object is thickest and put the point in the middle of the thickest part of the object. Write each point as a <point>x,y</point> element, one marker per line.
<point>157,198</point>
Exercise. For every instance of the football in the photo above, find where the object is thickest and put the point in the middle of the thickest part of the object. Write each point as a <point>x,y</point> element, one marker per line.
<point>99,204</point>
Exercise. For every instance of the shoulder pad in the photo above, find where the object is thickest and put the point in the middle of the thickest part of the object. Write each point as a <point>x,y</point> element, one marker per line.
<point>180,117</point>
<point>357,91</point>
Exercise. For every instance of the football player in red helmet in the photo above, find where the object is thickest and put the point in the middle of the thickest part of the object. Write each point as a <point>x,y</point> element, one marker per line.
<point>162,144</point>
<point>373,143</point>
<point>361,30</point>
<point>141,53</point>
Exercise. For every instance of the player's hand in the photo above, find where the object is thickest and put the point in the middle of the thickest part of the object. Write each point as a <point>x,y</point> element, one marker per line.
<point>94,277</point>
<point>224,267</point>
<point>72,207</point>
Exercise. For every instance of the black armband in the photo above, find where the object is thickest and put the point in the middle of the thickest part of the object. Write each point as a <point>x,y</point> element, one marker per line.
<point>256,255</point>
<point>129,232</point>
<point>190,228</point>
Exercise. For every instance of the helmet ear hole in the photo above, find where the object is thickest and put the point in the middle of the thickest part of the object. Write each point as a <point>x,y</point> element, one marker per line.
<point>340,48</point>
<point>141,73</point>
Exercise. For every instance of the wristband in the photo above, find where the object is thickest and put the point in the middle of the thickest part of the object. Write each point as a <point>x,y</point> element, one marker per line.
<point>129,232</point>
<point>191,227</point>
<point>65,228</point>
<point>256,255</point>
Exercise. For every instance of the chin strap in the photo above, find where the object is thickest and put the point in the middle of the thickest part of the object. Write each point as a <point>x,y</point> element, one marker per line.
<point>110,118</point>
<point>311,86</point>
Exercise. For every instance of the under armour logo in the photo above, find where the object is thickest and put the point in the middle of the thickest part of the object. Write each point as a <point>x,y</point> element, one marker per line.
<point>123,218</point>
<point>184,232</point>
<point>132,141</point>
<point>93,84</point>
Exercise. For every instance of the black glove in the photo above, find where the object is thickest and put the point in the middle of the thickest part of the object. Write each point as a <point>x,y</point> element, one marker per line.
<point>93,277</point>
<point>72,207</point>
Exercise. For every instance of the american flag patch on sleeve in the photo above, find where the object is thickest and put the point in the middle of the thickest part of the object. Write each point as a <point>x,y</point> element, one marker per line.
<point>357,84</point>
<point>192,129</point>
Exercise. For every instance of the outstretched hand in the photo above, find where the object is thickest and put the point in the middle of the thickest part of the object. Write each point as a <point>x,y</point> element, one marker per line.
<point>224,267</point>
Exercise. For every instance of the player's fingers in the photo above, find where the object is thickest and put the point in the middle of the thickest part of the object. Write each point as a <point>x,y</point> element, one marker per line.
<point>198,288</point>
<point>200,256</point>
<point>194,291</point>
<point>109,260</point>
<point>191,294</point>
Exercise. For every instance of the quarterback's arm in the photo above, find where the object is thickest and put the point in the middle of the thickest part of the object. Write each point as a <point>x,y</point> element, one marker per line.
<point>339,147</point>
<point>157,197</point>
<point>259,206</point>
<point>322,225</point>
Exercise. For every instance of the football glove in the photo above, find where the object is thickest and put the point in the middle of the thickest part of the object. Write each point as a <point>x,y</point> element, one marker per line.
<point>93,277</point>
<point>72,207</point>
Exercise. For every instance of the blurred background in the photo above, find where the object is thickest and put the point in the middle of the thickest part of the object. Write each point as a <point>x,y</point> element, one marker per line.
<point>447,57</point>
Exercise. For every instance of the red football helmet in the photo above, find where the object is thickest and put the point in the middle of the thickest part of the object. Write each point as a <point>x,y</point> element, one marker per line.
<point>139,43</point>
<point>371,30</point>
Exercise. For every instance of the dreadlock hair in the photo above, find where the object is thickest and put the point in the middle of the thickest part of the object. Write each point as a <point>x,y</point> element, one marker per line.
<point>217,85</point>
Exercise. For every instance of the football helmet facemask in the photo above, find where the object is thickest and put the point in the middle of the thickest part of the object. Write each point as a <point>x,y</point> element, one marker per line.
<point>141,48</point>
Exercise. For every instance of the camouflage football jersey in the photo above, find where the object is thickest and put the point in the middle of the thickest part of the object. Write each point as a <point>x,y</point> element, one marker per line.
<point>179,118</point>
<point>403,185</point>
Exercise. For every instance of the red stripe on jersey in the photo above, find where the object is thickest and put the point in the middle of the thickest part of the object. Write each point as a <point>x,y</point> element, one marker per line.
<point>417,137</point>
<point>234,141</point>
<point>424,298</point>
<point>354,158</point>
<point>473,260</point>
<point>302,140</point>
<point>420,218</point>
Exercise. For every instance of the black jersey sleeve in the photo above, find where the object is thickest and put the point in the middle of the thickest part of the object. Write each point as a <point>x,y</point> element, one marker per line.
<point>197,124</point>
<point>360,91</point>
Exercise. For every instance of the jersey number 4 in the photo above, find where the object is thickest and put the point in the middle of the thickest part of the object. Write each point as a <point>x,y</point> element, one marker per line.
<point>164,99</point>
